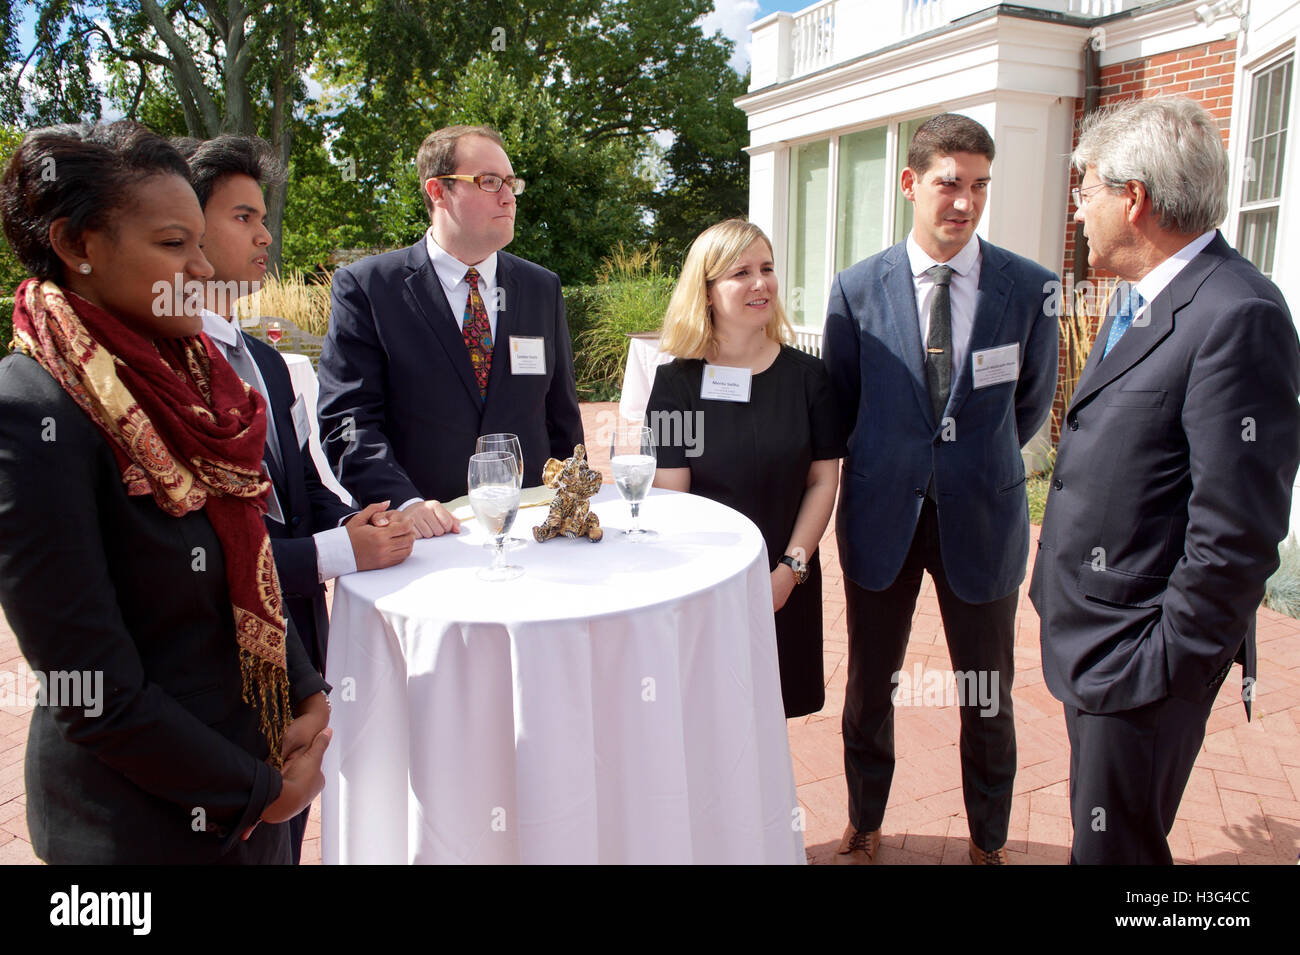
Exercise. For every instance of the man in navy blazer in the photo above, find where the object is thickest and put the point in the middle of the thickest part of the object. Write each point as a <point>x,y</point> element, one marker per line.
<point>314,536</point>
<point>1172,484</point>
<point>934,478</point>
<point>432,346</point>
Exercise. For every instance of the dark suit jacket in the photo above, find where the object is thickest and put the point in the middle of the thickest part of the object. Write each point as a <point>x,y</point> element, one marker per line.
<point>1171,490</point>
<point>873,352</point>
<point>94,580</point>
<point>309,506</point>
<point>399,407</point>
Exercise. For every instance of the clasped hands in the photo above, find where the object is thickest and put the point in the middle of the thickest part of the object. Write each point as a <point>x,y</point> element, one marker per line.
<point>380,537</point>
<point>302,749</point>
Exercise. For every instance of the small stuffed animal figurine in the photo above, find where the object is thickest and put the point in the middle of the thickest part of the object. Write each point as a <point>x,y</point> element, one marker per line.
<point>570,514</point>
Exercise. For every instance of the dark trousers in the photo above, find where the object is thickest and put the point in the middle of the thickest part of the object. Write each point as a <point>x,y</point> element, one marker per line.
<point>1127,775</point>
<point>298,829</point>
<point>980,641</point>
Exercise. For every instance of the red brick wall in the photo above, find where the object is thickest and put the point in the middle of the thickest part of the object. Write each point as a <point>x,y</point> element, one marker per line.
<point>1203,73</point>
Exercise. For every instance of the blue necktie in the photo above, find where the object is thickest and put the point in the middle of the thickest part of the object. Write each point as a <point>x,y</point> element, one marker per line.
<point>1123,319</point>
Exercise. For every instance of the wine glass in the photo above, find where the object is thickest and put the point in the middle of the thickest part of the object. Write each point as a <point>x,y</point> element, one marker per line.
<point>632,459</point>
<point>274,333</point>
<point>494,498</point>
<point>510,443</point>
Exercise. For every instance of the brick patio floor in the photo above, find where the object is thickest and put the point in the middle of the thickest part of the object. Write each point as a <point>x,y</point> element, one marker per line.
<point>1242,804</point>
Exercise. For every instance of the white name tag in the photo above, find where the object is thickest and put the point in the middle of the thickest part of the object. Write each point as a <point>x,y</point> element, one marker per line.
<point>301,423</point>
<point>993,366</point>
<point>726,384</point>
<point>527,356</point>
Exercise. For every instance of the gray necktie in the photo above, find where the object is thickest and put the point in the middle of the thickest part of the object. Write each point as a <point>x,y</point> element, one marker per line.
<point>240,360</point>
<point>938,348</point>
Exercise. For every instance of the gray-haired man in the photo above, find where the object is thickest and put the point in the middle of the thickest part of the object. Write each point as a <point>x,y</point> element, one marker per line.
<point>1173,478</point>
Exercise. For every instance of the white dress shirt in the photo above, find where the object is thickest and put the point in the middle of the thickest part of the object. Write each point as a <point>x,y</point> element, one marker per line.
<point>962,290</point>
<point>451,273</point>
<point>1158,279</point>
<point>334,555</point>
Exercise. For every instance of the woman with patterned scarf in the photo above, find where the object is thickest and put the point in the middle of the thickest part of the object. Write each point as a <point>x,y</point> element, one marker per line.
<point>177,713</point>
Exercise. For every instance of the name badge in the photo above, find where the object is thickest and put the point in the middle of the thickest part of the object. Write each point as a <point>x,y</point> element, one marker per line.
<point>993,366</point>
<point>722,383</point>
<point>301,423</point>
<point>527,356</point>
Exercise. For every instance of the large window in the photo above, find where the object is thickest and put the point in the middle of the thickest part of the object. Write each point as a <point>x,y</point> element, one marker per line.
<point>860,205</point>
<point>805,295</point>
<point>1261,193</point>
<point>844,205</point>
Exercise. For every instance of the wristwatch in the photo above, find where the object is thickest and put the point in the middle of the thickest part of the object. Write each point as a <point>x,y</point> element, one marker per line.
<point>799,567</point>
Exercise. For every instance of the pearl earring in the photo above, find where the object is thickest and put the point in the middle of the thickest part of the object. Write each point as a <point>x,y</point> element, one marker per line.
<point>84,268</point>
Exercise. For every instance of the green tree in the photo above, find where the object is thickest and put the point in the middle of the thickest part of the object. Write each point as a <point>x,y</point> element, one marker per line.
<point>615,71</point>
<point>708,172</point>
<point>216,67</point>
<point>11,271</point>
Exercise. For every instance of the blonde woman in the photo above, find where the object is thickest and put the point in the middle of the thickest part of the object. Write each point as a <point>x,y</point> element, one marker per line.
<point>770,442</point>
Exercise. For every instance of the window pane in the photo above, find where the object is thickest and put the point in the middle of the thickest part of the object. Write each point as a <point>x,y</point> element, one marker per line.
<point>1277,98</point>
<point>1267,170</point>
<point>903,208</point>
<point>860,201</point>
<point>1257,237</point>
<point>805,287</point>
<point>1270,106</point>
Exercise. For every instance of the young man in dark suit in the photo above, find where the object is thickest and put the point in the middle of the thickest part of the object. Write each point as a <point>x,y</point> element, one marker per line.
<point>934,480</point>
<point>315,537</point>
<point>432,346</point>
<point>1173,478</point>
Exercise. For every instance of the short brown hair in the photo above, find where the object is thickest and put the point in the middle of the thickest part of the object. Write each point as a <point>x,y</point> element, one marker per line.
<point>946,134</point>
<point>437,155</point>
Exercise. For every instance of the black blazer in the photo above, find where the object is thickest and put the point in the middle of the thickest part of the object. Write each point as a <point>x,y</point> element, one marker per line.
<point>399,407</point>
<point>1171,490</point>
<point>309,506</point>
<point>172,769</point>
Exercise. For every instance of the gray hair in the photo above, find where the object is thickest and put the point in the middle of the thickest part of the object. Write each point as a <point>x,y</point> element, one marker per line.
<point>1170,145</point>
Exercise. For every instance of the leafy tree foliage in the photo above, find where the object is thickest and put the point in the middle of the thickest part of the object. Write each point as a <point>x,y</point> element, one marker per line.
<point>577,87</point>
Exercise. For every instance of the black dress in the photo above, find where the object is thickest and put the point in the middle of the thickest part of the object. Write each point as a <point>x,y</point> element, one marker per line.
<point>754,457</point>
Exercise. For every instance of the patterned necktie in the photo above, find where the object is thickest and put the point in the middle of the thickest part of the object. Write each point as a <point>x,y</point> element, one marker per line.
<point>478,333</point>
<point>1123,319</point>
<point>938,349</point>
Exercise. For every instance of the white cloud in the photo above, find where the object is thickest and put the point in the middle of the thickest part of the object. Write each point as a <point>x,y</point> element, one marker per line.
<point>732,18</point>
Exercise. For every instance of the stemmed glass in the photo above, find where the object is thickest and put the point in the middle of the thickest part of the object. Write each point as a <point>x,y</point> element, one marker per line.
<point>510,443</point>
<point>494,498</point>
<point>632,459</point>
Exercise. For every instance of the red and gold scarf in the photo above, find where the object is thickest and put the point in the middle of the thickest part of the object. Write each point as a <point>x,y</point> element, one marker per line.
<point>187,430</point>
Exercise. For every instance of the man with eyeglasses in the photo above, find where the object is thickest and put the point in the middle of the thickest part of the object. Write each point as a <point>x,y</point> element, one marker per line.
<point>431,346</point>
<point>1173,478</point>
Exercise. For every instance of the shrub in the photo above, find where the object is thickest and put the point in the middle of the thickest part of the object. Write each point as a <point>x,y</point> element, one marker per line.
<point>6,323</point>
<point>1282,592</point>
<point>306,304</point>
<point>631,296</point>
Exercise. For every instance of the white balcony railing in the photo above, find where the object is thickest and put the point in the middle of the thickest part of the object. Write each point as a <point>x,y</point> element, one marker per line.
<point>812,37</point>
<point>789,45</point>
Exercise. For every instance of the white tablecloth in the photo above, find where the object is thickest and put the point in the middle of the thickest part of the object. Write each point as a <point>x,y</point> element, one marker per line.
<point>618,703</point>
<point>303,378</point>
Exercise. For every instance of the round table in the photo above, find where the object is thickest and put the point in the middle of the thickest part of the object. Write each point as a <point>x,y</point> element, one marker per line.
<point>618,703</point>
